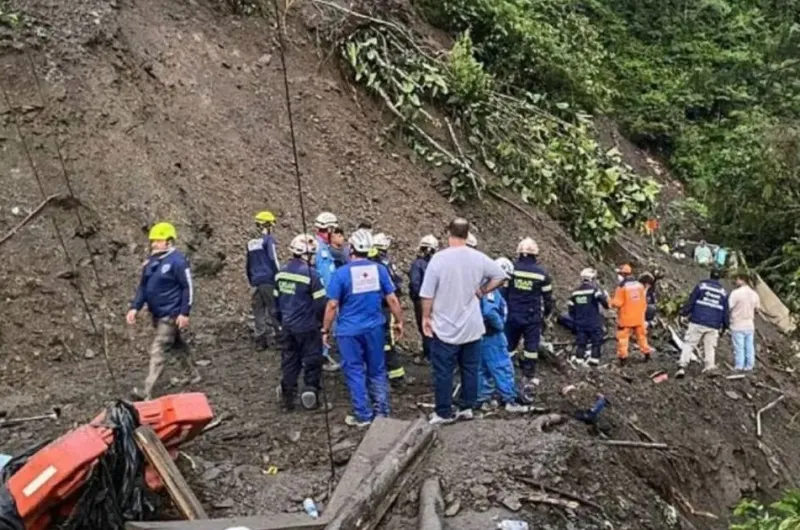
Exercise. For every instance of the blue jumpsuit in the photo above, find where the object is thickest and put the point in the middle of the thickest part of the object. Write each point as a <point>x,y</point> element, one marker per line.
<point>497,370</point>
<point>584,310</point>
<point>530,301</point>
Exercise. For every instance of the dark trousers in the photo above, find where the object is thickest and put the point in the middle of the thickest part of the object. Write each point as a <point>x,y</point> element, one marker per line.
<point>530,331</point>
<point>393,363</point>
<point>586,336</point>
<point>444,358</point>
<point>300,351</point>
<point>426,341</point>
<point>263,306</point>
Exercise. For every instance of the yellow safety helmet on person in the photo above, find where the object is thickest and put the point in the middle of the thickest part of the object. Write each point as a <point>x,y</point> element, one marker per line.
<point>265,217</point>
<point>162,232</point>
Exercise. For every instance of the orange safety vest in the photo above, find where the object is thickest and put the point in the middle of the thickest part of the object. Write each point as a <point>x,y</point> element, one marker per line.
<point>630,299</point>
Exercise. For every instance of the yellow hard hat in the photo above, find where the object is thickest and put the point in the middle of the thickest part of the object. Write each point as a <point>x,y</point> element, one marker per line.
<point>265,217</point>
<point>373,253</point>
<point>162,232</point>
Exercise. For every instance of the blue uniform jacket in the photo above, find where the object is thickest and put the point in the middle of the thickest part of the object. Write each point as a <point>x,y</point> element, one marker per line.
<point>708,305</point>
<point>530,291</point>
<point>416,275</point>
<point>584,306</point>
<point>495,312</point>
<point>324,262</point>
<point>166,285</point>
<point>395,276</point>
<point>299,297</point>
<point>262,261</point>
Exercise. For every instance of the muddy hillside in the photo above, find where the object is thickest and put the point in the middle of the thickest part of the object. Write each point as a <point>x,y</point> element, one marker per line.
<point>129,112</point>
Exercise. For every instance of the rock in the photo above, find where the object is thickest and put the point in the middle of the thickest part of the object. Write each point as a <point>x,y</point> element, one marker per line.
<point>89,354</point>
<point>203,362</point>
<point>453,509</point>
<point>264,60</point>
<point>211,474</point>
<point>295,436</point>
<point>479,491</point>
<point>224,504</point>
<point>512,503</point>
<point>733,395</point>
<point>16,211</point>
<point>450,498</point>
<point>486,479</point>
<point>66,274</point>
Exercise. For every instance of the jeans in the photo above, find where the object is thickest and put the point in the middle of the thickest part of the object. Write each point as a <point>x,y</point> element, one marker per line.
<point>364,368</point>
<point>444,358</point>
<point>744,349</point>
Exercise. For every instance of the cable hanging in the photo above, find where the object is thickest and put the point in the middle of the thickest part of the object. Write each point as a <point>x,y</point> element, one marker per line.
<point>287,93</point>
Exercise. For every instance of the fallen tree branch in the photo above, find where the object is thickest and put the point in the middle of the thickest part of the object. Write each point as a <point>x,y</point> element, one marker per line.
<point>631,443</point>
<point>31,216</point>
<point>677,494</point>
<point>765,409</point>
<point>641,431</point>
<point>552,501</point>
<point>556,491</point>
<point>514,205</point>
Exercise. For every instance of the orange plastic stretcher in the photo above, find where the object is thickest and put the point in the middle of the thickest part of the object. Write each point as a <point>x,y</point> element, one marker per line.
<point>51,479</point>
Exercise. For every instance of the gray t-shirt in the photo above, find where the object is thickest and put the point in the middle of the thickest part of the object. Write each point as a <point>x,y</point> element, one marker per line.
<point>451,280</point>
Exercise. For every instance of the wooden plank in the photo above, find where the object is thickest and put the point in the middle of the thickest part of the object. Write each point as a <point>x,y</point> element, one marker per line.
<point>367,505</point>
<point>284,521</point>
<point>176,485</point>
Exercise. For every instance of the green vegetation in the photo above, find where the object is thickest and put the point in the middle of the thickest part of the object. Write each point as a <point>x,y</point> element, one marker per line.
<point>8,17</point>
<point>542,149</point>
<point>781,515</point>
<point>713,85</point>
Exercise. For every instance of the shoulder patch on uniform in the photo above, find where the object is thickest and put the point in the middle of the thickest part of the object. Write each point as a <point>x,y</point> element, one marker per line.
<point>165,268</point>
<point>255,244</point>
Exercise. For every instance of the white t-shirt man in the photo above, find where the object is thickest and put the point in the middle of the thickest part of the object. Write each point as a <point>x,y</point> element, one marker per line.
<point>452,280</point>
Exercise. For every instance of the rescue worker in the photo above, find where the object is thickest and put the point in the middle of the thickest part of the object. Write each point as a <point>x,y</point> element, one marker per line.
<point>325,264</point>
<point>428,246</point>
<point>355,294</point>
<point>648,279</point>
<point>497,370</point>
<point>380,254</point>
<point>587,317</point>
<point>530,301</point>
<point>339,249</point>
<point>262,265</point>
<point>299,307</point>
<point>630,300</point>
<point>166,289</point>
<point>709,315</point>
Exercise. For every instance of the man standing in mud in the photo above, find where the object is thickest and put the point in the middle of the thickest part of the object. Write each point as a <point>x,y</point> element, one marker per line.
<point>166,289</point>
<point>455,281</point>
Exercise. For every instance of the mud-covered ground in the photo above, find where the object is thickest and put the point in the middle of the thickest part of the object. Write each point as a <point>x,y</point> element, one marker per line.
<point>176,110</point>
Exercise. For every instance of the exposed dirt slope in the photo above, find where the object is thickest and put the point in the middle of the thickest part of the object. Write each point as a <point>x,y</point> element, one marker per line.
<point>175,110</point>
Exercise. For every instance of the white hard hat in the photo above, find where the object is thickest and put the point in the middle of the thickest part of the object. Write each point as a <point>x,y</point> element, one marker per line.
<point>326,220</point>
<point>506,265</point>
<point>528,246</point>
<point>588,274</point>
<point>472,241</point>
<point>430,242</point>
<point>361,241</point>
<point>381,241</point>
<point>303,244</point>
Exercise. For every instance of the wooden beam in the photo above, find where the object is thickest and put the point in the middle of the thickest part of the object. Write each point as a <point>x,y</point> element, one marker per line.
<point>176,485</point>
<point>367,504</point>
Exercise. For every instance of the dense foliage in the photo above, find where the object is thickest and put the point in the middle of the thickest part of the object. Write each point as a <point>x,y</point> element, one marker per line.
<point>713,85</point>
<point>541,149</point>
<point>781,515</point>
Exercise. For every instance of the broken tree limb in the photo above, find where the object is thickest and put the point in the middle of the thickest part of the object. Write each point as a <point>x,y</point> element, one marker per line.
<point>641,432</point>
<point>30,217</point>
<point>366,507</point>
<point>680,498</point>
<point>176,485</point>
<point>552,501</point>
<point>630,443</point>
<point>765,409</point>
<point>431,505</point>
<point>556,491</point>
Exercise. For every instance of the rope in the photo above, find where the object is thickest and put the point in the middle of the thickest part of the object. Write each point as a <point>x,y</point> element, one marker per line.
<point>84,301</point>
<point>287,93</point>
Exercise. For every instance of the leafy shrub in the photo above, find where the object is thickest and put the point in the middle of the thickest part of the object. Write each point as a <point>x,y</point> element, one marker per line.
<point>781,515</point>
